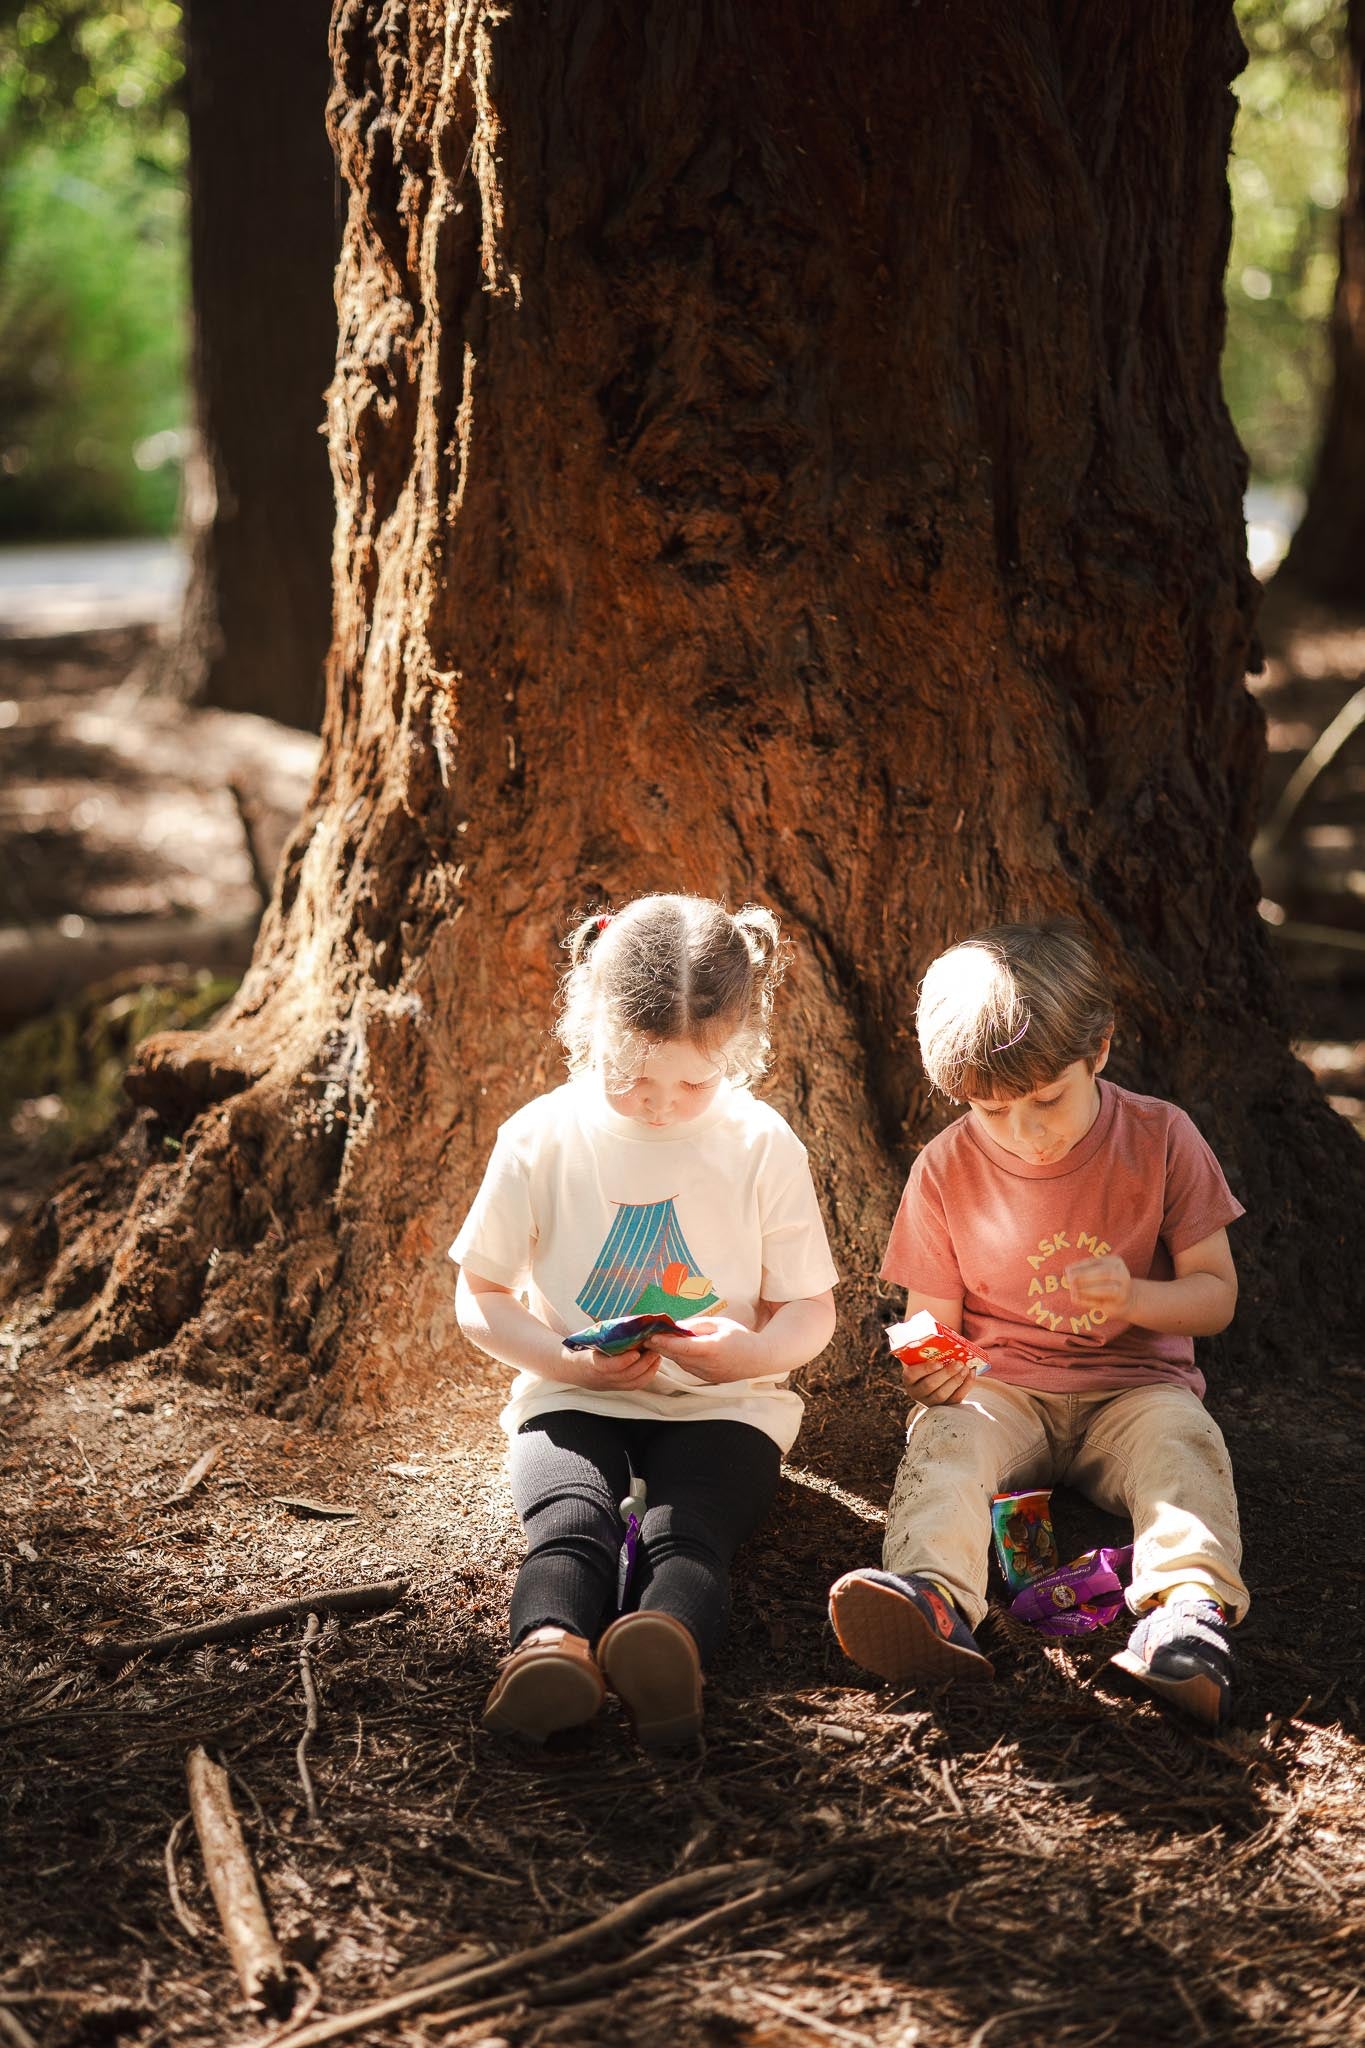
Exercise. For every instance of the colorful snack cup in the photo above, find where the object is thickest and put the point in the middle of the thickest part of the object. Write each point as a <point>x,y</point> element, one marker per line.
<point>925,1341</point>
<point>623,1333</point>
<point>1021,1524</point>
<point>1085,1595</point>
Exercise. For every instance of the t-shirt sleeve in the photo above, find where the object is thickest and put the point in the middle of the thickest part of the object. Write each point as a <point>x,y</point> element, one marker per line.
<point>919,1251</point>
<point>496,1238</point>
<point>796,1257</point>
<point>1198,1198</point>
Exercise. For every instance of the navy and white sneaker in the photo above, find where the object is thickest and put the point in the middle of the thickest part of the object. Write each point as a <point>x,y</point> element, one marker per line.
<point>1184,1653</point>
<point>903,1629</point>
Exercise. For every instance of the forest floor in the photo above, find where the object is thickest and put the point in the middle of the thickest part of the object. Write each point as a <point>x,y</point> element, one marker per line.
<point>1051,1859</point>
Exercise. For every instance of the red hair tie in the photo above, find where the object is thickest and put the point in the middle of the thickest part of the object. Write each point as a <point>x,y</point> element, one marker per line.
<point>603,921</point>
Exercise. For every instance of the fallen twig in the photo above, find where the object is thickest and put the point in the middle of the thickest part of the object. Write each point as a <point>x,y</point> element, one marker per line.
<point>251,1943</point>
<point>1319,756</point>
<point>197,1474</point>
<point>189,1920</point>
<point>319,1510</point>
<point>310,1725</point>
<point>806,2019</point>
<point>565,1989</point>
<point>345,1600</point>
<point>441,1980</point>
<point>14,2031</point>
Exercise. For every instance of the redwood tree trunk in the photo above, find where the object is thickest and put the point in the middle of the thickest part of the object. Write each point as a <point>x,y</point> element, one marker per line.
<point>263,246</point>
<point>780,454</point>
<point>1327,556</point>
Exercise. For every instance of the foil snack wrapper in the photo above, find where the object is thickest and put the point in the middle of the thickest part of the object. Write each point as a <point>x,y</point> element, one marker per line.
<point>623,1333</point>
<point>1021,1524</point>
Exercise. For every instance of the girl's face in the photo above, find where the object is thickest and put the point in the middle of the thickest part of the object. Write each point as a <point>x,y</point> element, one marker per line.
<point>674,1083</point>
<point>1042,1126</point>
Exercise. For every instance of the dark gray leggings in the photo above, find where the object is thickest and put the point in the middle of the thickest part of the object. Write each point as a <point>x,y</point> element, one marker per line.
<point>709,1485</point>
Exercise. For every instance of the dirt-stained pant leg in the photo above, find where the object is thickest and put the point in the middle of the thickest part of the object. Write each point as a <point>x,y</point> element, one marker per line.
<point>1156,1454</point>
<point>939,1518</point>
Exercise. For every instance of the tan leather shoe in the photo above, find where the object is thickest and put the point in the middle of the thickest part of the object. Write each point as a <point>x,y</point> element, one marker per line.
<point>651,1661</point>
<point>550,1681</point>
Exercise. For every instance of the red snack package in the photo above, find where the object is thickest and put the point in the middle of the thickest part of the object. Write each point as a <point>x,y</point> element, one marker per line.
<point>924,1341</point>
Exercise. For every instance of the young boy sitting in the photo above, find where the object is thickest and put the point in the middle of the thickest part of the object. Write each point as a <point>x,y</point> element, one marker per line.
<point>1076,1233</point>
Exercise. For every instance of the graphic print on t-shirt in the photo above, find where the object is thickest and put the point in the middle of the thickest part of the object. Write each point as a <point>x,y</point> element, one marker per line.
<point>645,1267</point>
<point>1049,1299</point>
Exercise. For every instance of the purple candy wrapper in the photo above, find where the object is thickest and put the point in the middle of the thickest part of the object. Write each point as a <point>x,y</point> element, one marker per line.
<point>1085,1595</point>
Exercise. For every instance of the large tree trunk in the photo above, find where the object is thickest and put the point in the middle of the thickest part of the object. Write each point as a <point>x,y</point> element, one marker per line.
<point>780,454</point>
<point>1327,556</point>
<point>263,245</point>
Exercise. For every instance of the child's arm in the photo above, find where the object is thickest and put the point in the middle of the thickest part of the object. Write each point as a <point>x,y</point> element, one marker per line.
<point>936,1385</point>
<point>789,1334</point>
<point>492,1317</point>
<point>1199,1302</point>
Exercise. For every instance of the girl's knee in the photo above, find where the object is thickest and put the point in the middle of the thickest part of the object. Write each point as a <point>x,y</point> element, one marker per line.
<point>671,1531</point>
<point>572,1514</point>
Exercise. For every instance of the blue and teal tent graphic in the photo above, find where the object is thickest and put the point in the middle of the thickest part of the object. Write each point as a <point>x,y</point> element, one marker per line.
<point>645,1267</point>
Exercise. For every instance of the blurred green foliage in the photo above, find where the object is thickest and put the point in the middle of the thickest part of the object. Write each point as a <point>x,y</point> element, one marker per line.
<point>1288,174</point>
<point>61,1077</point>
<point>93,268</point>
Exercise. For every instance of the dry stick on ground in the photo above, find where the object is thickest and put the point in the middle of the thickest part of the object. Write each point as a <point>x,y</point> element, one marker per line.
<point>1319,756</point>
<point>345,1600</point>
<point>191,1922</point>
<point>251,1943</point>
<point>197,1474</point>
<point>310,1726</point>
<point>564,1989</point>
<point>14,2031</point>
<point>658,1898</point>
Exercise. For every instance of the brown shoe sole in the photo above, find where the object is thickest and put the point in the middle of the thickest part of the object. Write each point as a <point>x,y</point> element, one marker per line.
<point>1198,1695</point>
<point>542,1693</point>
<point>887,1634</point>
<point>651,1662</point>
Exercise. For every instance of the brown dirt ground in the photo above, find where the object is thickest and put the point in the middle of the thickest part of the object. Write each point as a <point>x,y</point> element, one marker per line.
<point>1053,1860</point>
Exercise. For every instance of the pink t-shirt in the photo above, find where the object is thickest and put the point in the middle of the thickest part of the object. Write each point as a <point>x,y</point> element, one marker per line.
<point>976,1221</point>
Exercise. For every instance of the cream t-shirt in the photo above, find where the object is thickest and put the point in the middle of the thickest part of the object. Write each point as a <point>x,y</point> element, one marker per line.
<point>587,1214</point>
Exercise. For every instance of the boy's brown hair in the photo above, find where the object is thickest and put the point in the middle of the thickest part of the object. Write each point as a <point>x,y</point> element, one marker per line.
<point>1004,1012</point>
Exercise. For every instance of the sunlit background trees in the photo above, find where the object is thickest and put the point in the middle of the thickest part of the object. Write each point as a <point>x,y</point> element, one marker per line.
<point>94,408</point>
<point>93,275</point>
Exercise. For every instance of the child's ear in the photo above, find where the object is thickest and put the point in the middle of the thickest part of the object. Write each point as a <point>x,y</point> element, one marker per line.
<point>1103,1053</point>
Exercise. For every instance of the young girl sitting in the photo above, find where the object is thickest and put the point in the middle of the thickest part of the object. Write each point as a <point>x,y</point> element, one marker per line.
<point>653,1181</point>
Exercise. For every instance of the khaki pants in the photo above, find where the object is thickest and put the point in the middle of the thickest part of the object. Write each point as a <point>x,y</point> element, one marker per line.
<point>1152,1453</point>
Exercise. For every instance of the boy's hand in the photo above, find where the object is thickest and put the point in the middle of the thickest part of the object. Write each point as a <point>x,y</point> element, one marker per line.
<point>606,1373</point>
<point>716,1349</point>
<point>1101,1283</point>
<point>936,1385</point>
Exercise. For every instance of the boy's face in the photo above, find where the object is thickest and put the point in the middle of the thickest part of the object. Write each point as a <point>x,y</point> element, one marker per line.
<point>1042,1126</point>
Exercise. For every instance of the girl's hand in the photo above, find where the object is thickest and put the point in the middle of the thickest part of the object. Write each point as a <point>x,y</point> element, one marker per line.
<point>717,1349</point>
<point>936,1385</point>
<point>1101,1283</point>
<point>608,1374</point>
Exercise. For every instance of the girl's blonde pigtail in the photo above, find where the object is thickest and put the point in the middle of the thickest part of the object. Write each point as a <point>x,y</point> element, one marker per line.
<point>584,936</point>
<point>762,934</point>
